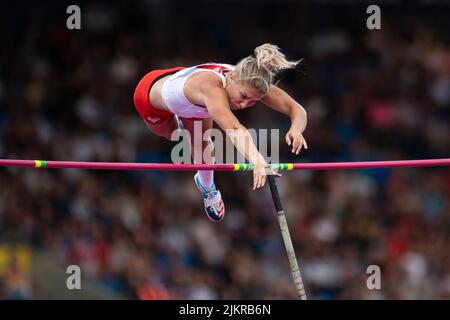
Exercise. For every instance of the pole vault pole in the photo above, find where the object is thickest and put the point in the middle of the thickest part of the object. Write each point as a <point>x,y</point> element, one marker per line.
<point>301,294</point>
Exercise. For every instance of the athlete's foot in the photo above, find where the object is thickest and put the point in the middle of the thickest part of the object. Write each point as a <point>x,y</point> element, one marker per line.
<point>214,206</point>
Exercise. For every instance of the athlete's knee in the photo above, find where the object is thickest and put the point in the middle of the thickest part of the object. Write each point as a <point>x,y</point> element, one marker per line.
<point>165,129</point>
<point>160,131</point>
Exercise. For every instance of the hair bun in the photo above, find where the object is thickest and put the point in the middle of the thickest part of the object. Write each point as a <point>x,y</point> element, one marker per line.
<point>269,57</point>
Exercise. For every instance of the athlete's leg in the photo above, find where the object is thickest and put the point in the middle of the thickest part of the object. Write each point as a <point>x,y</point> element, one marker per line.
<point>200,141</point>
<point>160,122</point>
<point>164,128</point>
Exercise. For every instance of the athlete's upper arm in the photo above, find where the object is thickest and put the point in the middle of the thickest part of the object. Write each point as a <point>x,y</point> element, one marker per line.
<point>278,100</point>
<point>216,101</point>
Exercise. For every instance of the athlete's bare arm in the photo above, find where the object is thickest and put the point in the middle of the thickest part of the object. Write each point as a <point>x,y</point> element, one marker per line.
<point>280,101</point>
<point>215,99</point>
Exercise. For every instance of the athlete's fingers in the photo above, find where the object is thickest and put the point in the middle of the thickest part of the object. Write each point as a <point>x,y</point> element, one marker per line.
<point>300,145</point>
<point>295,144</point>
<point>277,174</point>
<point>263,180</point>
<point>288,139</point>
<point>257,179</point>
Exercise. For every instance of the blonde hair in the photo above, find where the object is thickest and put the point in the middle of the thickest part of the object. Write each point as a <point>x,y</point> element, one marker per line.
<point>259,71</point>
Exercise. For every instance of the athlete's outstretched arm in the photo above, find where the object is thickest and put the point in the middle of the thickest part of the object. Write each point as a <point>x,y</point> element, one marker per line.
<point>280,101</point>
<point>216,101</point>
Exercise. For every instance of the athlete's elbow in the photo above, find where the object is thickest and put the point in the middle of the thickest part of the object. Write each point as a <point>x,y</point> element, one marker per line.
<point>235,127</point>
<point>303,110</point>
<point>235,132</point>
<point>225,122</point>
<point>297,109</point>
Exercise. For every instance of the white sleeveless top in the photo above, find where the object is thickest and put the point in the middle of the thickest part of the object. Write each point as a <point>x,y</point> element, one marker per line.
<point>173,95</point>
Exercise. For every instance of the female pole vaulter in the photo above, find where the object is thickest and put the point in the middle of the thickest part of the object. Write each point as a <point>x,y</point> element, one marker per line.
<point>211,92</point>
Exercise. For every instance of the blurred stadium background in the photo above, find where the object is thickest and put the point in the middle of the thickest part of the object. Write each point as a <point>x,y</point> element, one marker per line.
<point>370,95</point>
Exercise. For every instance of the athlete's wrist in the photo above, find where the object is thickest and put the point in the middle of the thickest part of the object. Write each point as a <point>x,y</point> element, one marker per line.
<point>260,161</point>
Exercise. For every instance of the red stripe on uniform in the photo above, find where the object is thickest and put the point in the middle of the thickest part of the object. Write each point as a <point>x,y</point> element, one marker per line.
<point>217,68</point>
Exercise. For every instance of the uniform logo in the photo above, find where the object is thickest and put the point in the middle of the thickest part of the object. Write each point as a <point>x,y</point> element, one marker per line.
<point>153,119</point>
<point>216,68</point>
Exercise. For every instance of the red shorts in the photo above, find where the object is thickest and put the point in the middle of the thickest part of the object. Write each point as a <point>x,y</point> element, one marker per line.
<point>142,103</point>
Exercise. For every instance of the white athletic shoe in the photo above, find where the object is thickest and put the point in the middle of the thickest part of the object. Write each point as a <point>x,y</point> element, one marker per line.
<point>214,206</point>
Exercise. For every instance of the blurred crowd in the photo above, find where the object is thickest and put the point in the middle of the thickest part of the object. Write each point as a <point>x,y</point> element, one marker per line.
<point>370,95</point>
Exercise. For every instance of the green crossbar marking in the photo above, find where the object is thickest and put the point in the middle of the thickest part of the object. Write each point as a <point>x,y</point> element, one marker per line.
<point>273,166</point>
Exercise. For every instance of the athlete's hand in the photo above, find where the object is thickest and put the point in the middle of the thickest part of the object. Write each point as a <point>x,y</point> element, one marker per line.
<point>259,175</point>
<point>295,138</point>
<point>260,172</point>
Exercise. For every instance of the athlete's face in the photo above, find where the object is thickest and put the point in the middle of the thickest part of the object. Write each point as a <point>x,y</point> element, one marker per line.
<point>241,95</point>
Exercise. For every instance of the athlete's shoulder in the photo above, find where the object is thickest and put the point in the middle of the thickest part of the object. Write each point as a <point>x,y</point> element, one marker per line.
<point>217,67</point>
